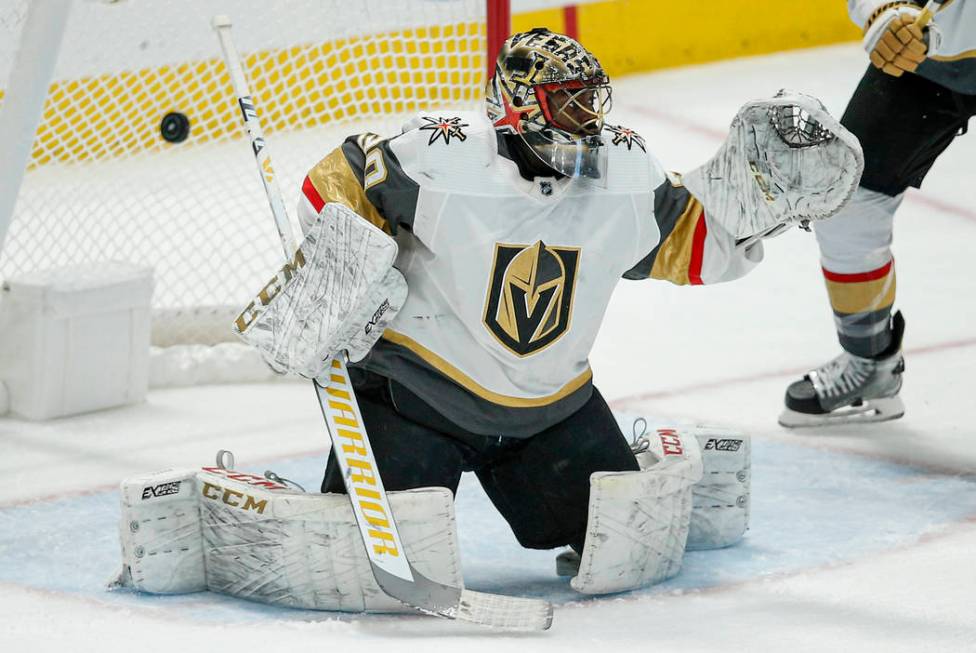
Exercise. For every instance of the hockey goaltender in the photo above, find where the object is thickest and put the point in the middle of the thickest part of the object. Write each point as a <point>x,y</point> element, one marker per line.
<point>510,228</point>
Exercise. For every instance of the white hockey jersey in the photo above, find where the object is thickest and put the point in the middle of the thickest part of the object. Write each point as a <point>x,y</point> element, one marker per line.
<point>953,65</point>
<point>509,279</point>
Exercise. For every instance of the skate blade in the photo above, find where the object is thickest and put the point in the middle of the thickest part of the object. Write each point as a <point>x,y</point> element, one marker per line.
<point>872,410</point>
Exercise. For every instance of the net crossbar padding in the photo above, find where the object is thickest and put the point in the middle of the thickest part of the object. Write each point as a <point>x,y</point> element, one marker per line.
<point>103,184</point>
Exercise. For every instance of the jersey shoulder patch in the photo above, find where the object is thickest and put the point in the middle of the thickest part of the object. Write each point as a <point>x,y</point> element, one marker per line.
<point>446,150</point>
<point>446,128</point>
<point>632,168</point>
<point>443,129</point>
<point>623,137</point>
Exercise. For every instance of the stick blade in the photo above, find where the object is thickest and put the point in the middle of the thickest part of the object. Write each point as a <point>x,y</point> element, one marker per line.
<point>439,600</point>
<point>507,612</point>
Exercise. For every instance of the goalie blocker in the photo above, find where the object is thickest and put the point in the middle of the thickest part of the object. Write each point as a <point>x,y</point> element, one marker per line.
<point>240,534</point>
<point>338,294</point>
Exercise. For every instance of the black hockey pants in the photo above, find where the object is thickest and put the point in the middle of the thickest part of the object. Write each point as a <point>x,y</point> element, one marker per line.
<point>540,485</point>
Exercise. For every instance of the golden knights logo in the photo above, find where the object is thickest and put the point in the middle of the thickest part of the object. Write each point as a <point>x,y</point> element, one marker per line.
<point>444,128</point>
<point>530,299</point>
<point>625,136</point>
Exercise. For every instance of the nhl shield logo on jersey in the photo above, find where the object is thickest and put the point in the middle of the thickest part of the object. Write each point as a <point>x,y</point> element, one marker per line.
<point>530,299</point>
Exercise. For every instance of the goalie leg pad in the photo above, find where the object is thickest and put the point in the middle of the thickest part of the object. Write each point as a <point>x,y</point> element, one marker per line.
<point>243,535</point>
<point>638,522</point>
<point>305,550</point>
<point>692,493</point>
<point>162,541</point>
<point>720,511</point>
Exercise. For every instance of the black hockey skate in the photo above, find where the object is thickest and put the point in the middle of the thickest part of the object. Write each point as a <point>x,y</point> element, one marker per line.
<point>850,389</point>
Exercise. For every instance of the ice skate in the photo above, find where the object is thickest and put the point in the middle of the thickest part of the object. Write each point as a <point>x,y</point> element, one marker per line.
<point>850,389</point>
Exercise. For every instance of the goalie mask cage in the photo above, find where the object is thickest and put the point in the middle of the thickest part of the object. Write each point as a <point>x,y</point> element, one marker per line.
<point>99,180</point>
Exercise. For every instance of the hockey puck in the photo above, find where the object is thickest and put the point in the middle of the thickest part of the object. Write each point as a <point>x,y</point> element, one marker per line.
<point>174,127</point>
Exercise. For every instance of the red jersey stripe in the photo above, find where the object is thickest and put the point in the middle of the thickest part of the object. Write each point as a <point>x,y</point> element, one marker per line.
<point>697,252</point>
<point>312,195</point>
<point>858,277</point>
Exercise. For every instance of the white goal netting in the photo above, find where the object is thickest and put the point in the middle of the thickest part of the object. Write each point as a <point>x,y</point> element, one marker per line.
<point>103,184</point>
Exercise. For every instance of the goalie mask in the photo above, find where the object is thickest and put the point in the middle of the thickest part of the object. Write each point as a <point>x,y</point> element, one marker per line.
<point>551,91</point>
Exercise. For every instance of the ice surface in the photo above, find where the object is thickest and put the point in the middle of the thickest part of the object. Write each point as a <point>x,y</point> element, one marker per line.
<point>862,539</point>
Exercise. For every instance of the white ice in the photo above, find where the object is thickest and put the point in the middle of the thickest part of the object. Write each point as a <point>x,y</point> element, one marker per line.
<point>862,538</point>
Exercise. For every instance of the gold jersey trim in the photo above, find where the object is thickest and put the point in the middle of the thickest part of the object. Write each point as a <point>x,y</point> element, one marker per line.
<point>674,254</point>
<point>335,181</point>
<point>968,54</point>
<point>477,389</point>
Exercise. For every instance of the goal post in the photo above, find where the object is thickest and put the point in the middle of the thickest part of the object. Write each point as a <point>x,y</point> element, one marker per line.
<point>31,68</point>
<point>135,153</point>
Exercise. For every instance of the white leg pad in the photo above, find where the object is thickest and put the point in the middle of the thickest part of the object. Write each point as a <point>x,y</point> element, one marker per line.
<point>243,535</point>
<point>692,493</point>
<point>720,511</point>
<point>720,515</point>
<point>638,522</point>
<point>305,550</point>
<point>162,545</point>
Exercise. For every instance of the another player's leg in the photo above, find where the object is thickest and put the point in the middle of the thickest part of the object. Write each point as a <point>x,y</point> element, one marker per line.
<point>903,124</point>
<point>863,382</point>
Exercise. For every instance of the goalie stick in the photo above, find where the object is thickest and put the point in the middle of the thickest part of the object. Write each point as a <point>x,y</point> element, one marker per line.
<point>928,12</point>
<point>387,558</point>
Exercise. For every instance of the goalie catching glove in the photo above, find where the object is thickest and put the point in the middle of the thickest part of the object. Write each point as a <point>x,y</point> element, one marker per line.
<point>338,295</point>
<point>785,161</point>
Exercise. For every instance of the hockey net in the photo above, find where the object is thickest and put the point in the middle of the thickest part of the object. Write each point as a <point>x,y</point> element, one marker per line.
<point>103,184</point>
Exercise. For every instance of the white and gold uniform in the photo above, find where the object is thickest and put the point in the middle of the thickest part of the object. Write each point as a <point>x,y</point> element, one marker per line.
<point>509,279</point>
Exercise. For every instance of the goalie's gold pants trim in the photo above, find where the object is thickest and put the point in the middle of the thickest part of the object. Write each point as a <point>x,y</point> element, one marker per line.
<point>477,389</point>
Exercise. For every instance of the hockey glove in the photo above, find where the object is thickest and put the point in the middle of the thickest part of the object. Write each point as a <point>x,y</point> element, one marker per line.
<point>895,43</point>
<point>785,161</point>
